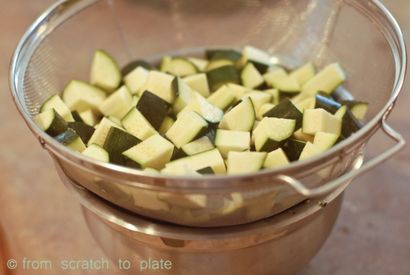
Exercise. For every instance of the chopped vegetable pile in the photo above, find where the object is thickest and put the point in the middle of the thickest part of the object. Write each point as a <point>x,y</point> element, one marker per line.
<point>228,112</point>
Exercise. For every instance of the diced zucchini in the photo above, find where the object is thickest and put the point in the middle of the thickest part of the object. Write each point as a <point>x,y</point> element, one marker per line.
<point>199,63</point>
<point>184,94</point>
<point>96,152</point>
<point>201,106</point>
<point>117,104</point>
<point>280,80</point>
<point>178,153</point>
<point>76,116</point>
<point>180,66</point>
<point>101,132</point>
<point>222,75</point>
<point>264,109</point>
<point>214,64</point>
<point>325,140</point>
<point>51,122</point>
<point>135,64</point>
<point>304,104</point>
<point>85,131</point>
<point>327,103</point>
<point>154,152</point>
<point>222,98</point>
<point>310,150</point>
<point>258,98</point>
<point>211,158</point>
<point>245,162</point>
<point>118,141</point>
<point>275,95</point>
<point>105,72</point>
<point>326,81</point>
<point>238,90</point>
<point>161,85</point>
<point>276,158</point>
<point>153,108</point>
<point>72,140</point>
<point>151,171</point>
<point>239,118</point>
<point>272,132</point>
<point>341,112</point>
<point>304,73</point>
<point>136,124</point>
<point>199,83</point>
<point>135,100</point>
<point>319,120</point>
<point>148,199</point>
<point>261,59</point>
<point>166,124</point>
<point>250,76</point>
<point>197,146</point>
<point>165,65</point>
<point>275,75</point>
<point>116,120</point>
<point>206,171</point>
<point>186,128</point>
<point>350,124</point>
<point>293,148</point>
<point>288,85</point>
<point>89,117</point>
<point>80,96</point>
<point>228,140</point>
<point>299,135</point>
<point>227,54</point>
<point>55,102</point>
<point>135,80</point>
<point>286,109</point>
<point>191,201</point>
<point>358,108</point>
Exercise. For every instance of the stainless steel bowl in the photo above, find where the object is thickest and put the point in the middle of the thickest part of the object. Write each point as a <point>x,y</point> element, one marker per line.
<point>279,245</point>
<point>362,35</point>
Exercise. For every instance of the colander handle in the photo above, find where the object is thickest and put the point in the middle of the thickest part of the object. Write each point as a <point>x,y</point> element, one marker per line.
<point>334,184</point>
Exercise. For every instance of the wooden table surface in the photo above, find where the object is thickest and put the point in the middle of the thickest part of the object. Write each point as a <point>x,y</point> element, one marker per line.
<point>39,219</point>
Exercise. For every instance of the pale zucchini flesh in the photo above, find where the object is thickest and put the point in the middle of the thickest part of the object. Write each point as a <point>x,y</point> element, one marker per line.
<point>55,102</point>
<point>105,72</point>
<point>227,112</point>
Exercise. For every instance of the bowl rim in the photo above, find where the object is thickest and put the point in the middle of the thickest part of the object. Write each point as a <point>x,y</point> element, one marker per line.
<point>36,33</point>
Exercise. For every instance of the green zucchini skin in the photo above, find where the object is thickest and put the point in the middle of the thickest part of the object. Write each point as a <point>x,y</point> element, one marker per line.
<point>261,67</point>
<point>178,153</point>
<point>117,142</point>
<point>134,64</point>
<point>228,54</point>
<point>271,145</point>
<point>206,171</point>
<point>327,103</point>
<point>350,124</point>
<point>222,75</point>
<point>76,116</point>
<point>58,126</point>
<point>293,148</point>
<point>153,108</point>
<point>210,132</point>
<point>85,131</point>
<point>286,109</point>
<point>67,137</point>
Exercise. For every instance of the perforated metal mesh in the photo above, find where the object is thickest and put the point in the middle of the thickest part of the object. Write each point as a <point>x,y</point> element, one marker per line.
<point>296,31</point>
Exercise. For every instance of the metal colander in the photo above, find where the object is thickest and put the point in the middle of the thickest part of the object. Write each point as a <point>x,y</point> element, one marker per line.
<point>361,35</point>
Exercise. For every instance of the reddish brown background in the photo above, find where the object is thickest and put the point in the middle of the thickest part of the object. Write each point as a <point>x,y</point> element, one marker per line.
<point>40,219</point>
